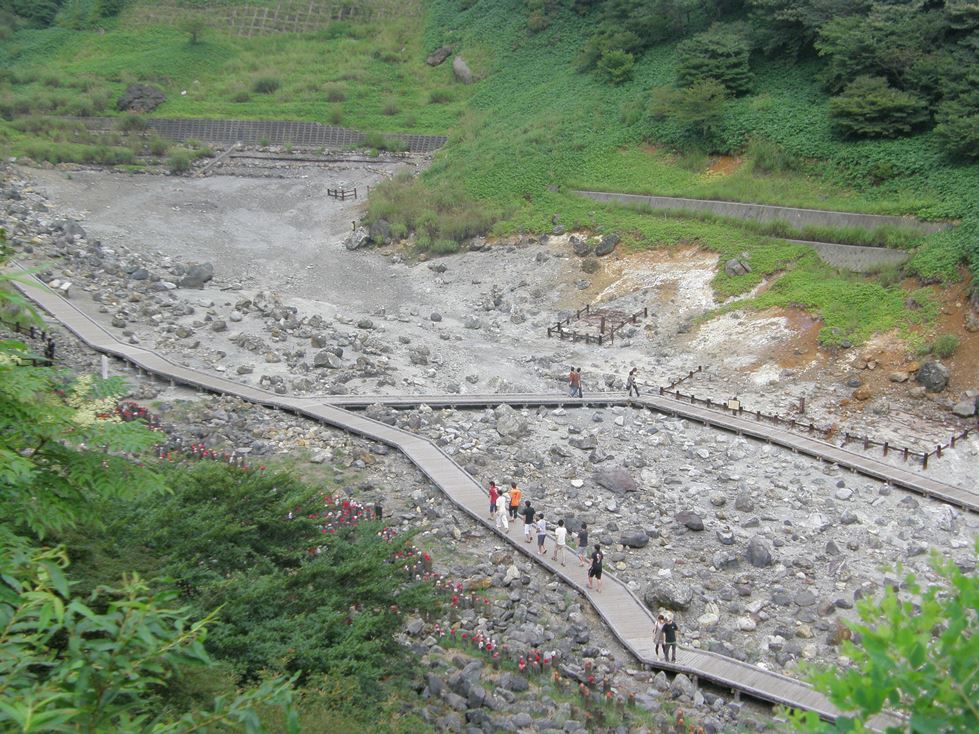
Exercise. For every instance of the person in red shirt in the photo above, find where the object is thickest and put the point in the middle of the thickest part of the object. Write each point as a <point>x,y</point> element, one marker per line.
<point>493,494</point>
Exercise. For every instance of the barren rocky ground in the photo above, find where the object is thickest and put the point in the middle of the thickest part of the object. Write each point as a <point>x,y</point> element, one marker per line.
<point>759,552</point>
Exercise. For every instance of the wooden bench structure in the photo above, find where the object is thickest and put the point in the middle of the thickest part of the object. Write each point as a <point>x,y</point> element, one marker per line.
<point>624,613</point>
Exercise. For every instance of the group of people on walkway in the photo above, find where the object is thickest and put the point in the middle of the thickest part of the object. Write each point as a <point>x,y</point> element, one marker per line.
<point>504,506</point>
<point>574,383</point>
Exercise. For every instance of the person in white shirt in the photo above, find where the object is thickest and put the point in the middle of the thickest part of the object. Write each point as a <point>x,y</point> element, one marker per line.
<point>560,541</point>
<point>502,519</point>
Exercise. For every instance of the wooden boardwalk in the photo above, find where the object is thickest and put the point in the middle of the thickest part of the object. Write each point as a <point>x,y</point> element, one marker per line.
<point>624,613</point>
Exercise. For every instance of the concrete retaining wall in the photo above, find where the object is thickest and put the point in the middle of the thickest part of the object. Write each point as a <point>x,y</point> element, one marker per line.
<point>767,213</point>
<point>855,258</point>
<point>275,132</point>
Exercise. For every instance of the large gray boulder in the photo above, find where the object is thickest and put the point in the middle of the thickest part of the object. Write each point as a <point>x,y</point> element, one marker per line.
<point>438,56</point>
<point>606,245</point>
<point>933,376</point>
<point>509,423</point>
<point>616,480</point>
<point>667,594</point>
<point>140,98</point>
<point>462,71</point>
<point>327,360</point>
<point>635,539</point>
<point>357,239</point>
<point>197,275</point>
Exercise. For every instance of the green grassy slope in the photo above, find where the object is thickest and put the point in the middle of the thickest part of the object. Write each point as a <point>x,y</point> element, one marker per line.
<point>370,78</point>
<point>538,129</point>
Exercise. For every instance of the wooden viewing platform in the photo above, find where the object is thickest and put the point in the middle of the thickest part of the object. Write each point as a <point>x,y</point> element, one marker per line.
<point>625,614</point>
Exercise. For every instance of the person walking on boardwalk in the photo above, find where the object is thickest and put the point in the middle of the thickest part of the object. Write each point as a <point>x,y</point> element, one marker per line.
<point>595,572</point>
<point>514,507</point>
<point>670,631</point>
<point>658,635</point>
<point>502,517</point>
<point>541,534</point>
<point>529,513</point>
<point>582,544</point>
<point>572,390</point>
<point>560,541</point>
<point>494,494</point>
<point>630,382</point>
<point>577,382</point>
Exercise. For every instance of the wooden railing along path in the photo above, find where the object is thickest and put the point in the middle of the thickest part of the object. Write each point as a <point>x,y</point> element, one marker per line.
<point>624,613</point>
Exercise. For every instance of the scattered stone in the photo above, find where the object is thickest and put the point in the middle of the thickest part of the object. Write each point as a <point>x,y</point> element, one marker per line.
<point>759,552</point>
<point>735,267</point>
<point>965,408</point>
<point>691,520</point>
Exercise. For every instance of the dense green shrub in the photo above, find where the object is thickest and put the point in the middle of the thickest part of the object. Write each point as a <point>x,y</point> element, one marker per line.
<point>180,161</point>
<point>720,53</point>
<point>697,109</point>
<point>266,85</point>
<point>945,345</point>
<point>769,157</point>
<point>958,131</point>
<point>870,108</point>
<point>616,65</point>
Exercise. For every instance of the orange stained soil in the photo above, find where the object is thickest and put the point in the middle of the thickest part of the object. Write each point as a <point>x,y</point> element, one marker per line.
<point>724,165</point>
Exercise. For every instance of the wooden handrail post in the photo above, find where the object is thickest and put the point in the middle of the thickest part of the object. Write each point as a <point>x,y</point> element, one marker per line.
<point>885,448</point>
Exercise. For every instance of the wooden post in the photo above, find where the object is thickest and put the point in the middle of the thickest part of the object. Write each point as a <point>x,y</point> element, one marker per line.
<point>601,326</point>
<point>924,461</point>
<point>846,438</point>
<point>938,451</point>
<point>885,448</point>
<point>802,405</point>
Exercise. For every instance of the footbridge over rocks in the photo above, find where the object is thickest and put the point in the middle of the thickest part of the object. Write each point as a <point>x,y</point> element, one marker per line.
<point>624,613</point>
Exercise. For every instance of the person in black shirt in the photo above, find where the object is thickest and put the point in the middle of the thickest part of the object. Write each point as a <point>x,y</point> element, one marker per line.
<point>582,543</point>
<point>529,513</point>
<point>670,631</point>
<point>595,572</point>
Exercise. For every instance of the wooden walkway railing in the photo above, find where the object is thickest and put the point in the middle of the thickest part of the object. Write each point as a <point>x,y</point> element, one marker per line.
<point>627,617</point>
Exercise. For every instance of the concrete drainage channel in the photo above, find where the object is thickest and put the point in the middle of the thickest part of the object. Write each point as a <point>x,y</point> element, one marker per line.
<point>857,258</point>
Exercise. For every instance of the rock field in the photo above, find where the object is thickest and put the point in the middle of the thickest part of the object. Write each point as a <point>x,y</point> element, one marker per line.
<point>759,552</point>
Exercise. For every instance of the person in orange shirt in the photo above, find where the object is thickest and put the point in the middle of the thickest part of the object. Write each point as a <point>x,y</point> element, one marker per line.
<point>514,500</point>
